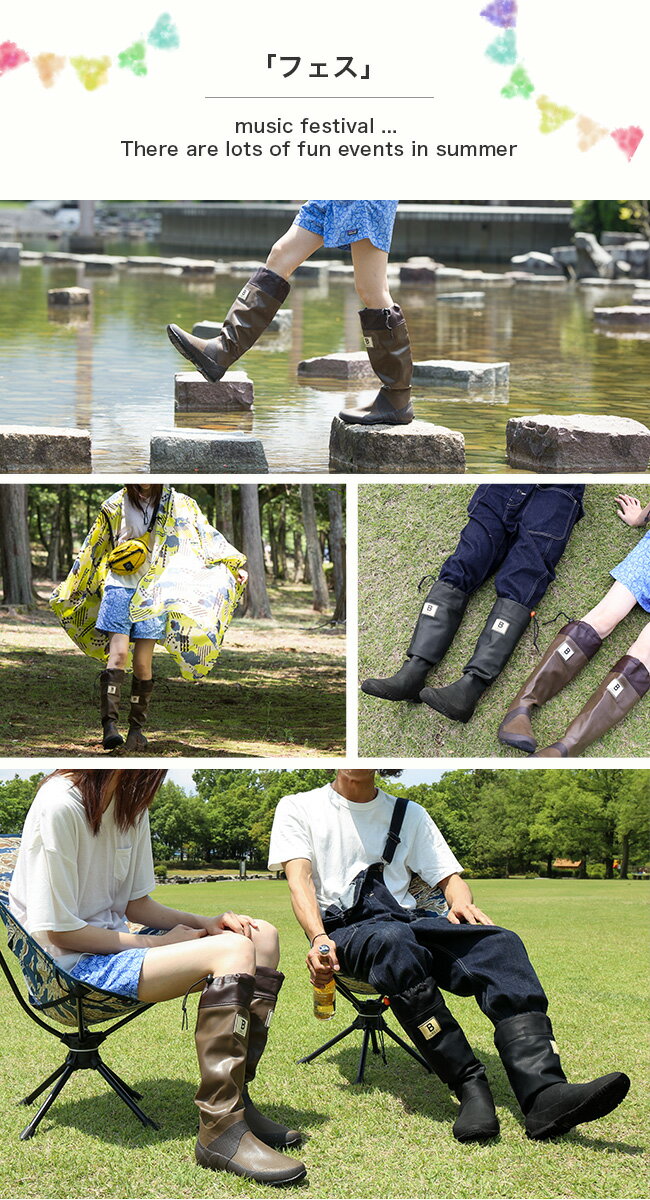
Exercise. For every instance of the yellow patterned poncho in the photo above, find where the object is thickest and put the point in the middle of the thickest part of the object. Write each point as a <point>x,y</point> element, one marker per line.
<point>191,580</point>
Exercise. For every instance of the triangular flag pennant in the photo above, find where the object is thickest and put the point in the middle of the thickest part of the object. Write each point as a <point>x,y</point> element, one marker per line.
<point>133,58</point>
<point>501,12</point>
<point>92,72</point>
<point>11,56</point>
<point>628,140</point>
<point>504,48</point>
<point>164,35</point>
<point>519,84</point>
<point>553,115</point>
<point>48,67</point>
<point>589,132</point>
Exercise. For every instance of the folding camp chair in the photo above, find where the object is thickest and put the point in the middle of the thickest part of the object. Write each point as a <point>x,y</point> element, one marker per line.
<point>370,1010</point>
<point>66,1000</point>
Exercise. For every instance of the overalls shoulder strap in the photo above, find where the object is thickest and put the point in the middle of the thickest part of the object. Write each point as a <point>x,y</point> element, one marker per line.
<point>393,838</point>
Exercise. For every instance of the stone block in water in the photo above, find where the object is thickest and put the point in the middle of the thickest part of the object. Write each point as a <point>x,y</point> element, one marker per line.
<point>193,393</point>
<point>641,297</point>
<point>70,295</point>
<point>536,263</point>
<point>10,252</point>
<point>210,329</point>
<point>352,365</point>
<point>577,443</point>
<point>470,298</point>
<point>32,448</point>
<point>625,314</point>
<point>396,449</point>
<point>475,376</point>
<point>206,451</point>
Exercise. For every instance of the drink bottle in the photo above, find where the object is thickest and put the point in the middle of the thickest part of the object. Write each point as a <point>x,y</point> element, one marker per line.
<point>325,997</point>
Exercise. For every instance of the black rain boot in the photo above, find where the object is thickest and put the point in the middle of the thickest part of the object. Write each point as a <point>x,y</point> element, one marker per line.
<point>437,625</point>
<point>550,1104</point>
<point>503,628</point>
<point>110,683</point>
<point>386,337</point>
<point>422,1012</point>
<point>248,317</point>
<point>141,690</point>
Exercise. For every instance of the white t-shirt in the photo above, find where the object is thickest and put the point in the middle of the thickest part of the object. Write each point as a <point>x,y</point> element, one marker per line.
<point>135,524</point>
<point>66,878</point>
<point>341,838</point>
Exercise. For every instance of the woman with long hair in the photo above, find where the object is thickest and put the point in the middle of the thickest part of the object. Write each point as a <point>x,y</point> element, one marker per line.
<point>150,570</point>
<point>84,872</point>
<point>366,226</point>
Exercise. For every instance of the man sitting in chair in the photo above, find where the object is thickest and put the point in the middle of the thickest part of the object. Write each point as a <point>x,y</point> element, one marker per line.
<point>349,852</point>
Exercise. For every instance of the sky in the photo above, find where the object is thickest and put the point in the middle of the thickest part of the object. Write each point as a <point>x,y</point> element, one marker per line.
<point>184,777</point>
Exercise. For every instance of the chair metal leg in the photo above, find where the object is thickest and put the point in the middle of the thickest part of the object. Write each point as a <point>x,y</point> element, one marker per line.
<point>332,1042</point>
<point>363,1056</point>
<point>127,1086</point>
<point>64,1075</point>
<point>117,1086</point>
<point>409,1049</point>
<point>42,1086</point>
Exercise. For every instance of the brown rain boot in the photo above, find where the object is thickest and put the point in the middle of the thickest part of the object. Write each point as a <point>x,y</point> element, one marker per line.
<point>626,683</point>
<point>386,336</point>
<point>225,1142</point>
<point>253,309</point>
<point>110,683</point>
<point>267,985</point>
<point>141,690</point>
<point>571,650</point>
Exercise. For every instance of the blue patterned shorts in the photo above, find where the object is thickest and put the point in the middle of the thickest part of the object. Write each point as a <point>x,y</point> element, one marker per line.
<point>634,572</point>
<point>114,972</point>
<point>114,617</point>
<point>340,222</point>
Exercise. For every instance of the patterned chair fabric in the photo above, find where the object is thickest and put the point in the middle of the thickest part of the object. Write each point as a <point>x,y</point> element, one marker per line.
<point>51,988</point>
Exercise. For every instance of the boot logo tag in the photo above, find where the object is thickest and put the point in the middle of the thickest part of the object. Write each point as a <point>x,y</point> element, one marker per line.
<point>430,610</point>
<point>501,626</point>
<point>615,687</point>
<point>241,1025</point>
<point>368,341</point>
<point>269,1016</point>
<point>429,1029</point>
<point>111,689</point>
<point>554,1046</point>
<point>565,651</point>
<point>245,294</point>
<point>135,699</point>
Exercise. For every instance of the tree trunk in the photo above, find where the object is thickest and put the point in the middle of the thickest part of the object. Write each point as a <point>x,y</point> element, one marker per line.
<point>66,529</point>
<point>224,518</point>
<point>282,542</point>
<point>52,567</point>
<point>14,545</point>
<point>298,557</point>
<point>549,866</point>
<point>275,566</point>
<point>336,542</point>
<point>625,855</point>
<point>257,605</point>
<point>318,581</point>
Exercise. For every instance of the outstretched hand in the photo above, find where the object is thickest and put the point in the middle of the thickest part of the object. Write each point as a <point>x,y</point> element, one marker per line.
<point>467,914</point>
<point>630,510</point>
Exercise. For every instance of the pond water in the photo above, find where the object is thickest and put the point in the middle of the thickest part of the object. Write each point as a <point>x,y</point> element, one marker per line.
<point>112,371</point>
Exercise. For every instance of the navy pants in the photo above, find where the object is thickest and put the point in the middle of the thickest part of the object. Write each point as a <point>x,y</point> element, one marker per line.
<point>518,531</point>
<point>484,961</point>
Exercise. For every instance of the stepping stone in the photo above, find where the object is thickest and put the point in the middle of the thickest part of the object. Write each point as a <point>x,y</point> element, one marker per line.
<point>396,449</point>
<point>641,298</point>
<point>41,448</point>
<point>206,451</point>
<point>10,252</point>
<point>71,295</point>
<point>594,281</point>
<point>102,262</point>
<point>530,278</point>
<point>195,266</point>
<point>353,365</point>
<point>626,314</point>
<point>193,393</point>
<point>471,298</point>
<point>475,376</point>
<point>537,264</point>
<point>577,443</point>
<point>419,270</point>
<point>210,329</point>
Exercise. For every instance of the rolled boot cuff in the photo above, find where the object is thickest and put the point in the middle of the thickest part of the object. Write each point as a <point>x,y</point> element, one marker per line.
<point>635,672</point>
<point>227,991</point>
<point>271,283</point>
<point>268,982</point>
<point>584,636</point>
<point>415,999</point>
<point>381,318</point>
<point>521,1025</point>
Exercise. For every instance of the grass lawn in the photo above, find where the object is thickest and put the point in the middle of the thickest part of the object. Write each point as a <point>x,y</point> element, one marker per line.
<point>278,689</point>
<point>391,1137</point>
<point>406,531</point>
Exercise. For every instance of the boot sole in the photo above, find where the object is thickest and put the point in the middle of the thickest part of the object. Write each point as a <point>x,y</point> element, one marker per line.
<point>349,419</point>
<point>598,1105</point>
<point>518,742</point>
<point>394,699</point>
<point>428,697</point>
<point>112,743</point>
<point>218,1162</point>
<point>205,365</point>
<point>478,1135</point>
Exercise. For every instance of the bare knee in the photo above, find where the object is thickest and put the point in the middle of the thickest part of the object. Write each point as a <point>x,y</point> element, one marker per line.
<point>230,952</point>
<point>279,259</point>
<point>117,660</point>
<point>267,944</point>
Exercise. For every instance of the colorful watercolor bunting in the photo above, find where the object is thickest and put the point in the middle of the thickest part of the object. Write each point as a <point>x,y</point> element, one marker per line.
<point>519,84</point>
<point>501,12</point>
<point>164,35</point>
<point>49,66</point>
<point>504,48</point>
<point>589,132</point>
<point>133,58</point>
<point>92,72</point>
<point>553,116</point>
<point>628,140</point>
<point>11,56</point>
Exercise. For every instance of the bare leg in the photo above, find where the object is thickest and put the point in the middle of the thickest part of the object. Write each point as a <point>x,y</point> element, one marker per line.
<point>370,275</point>
<point>610,611</point>
<point>641,647</point>
<point>118,651</point>
<point>143,658</point>
<point>292,249</point>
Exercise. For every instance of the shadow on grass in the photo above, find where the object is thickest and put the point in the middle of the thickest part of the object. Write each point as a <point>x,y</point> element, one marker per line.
<point>169,1102</point>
